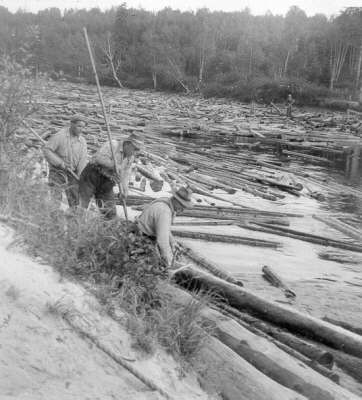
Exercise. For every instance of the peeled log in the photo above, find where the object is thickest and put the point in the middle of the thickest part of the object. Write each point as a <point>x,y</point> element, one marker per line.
<point>235,379</point>
<point>278,314</point>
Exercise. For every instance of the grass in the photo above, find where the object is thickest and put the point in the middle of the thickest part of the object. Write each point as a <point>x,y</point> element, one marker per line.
<point>122,268</point>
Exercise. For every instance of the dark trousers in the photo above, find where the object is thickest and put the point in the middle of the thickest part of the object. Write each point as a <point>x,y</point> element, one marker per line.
<point>93,183</point>
<point>60,180</point>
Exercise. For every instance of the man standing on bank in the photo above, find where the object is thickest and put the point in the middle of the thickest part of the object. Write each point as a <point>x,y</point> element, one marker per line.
<point>156,219</point>
<point>67,155</point>
<point>290,102</point>
<point>98,177</point>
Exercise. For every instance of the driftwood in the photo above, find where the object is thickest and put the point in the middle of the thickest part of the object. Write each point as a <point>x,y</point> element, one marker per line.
<point>283,316</point>
<point>275,280</point>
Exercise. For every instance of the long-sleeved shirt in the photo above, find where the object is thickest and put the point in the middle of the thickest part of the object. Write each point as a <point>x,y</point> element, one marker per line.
<point>155,221</point>
<point>103,157</point>
<point>72,149</point>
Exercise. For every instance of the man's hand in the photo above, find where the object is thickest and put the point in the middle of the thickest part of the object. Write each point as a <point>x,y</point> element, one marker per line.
<point>64,165</point>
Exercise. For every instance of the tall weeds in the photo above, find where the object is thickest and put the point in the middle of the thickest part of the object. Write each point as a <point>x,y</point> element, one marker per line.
<point>121,267</point>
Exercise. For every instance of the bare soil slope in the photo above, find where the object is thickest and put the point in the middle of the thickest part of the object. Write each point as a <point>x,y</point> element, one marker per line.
<point>43,357</point>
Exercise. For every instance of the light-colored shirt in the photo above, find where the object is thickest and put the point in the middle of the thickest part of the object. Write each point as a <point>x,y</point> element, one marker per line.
<point>104,158</point>
<point>155,221</point>
<point>72,149</point>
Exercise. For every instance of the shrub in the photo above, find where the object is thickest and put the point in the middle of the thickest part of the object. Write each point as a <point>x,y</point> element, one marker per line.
<point>16,102</point>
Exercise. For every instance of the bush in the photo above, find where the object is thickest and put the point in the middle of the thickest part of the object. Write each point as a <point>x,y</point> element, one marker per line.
<point>16,102</point>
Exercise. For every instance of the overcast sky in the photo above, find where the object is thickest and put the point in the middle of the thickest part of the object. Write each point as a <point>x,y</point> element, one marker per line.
<point>311,7</point>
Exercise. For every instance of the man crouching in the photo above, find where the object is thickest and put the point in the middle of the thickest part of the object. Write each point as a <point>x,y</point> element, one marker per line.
<point>99,177</point>
<point>157,217</point>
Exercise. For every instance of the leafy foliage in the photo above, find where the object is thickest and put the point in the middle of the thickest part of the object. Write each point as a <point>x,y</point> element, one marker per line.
<point>216,53</point>
<point>16,101</point>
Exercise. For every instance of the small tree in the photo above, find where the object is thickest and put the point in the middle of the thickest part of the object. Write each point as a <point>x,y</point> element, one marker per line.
<point>16,103</point>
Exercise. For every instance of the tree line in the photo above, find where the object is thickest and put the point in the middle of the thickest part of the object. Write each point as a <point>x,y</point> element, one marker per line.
<point>219,53</point>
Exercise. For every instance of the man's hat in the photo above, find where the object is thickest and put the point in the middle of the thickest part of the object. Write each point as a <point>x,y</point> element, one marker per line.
<point>136,141</point>
<point>183,196</point>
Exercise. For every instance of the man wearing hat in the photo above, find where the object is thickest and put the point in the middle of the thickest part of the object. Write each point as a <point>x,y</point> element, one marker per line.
<point>67,155</point>
<point>99,177</point>
<point>157,217</point>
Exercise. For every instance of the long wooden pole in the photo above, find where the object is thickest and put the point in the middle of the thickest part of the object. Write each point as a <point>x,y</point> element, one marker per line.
<point>106,121</point>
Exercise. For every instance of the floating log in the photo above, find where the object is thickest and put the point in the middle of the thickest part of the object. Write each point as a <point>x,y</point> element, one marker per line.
<point>276,281</point>
<point>282,316</point>
<point>340,226</point>
<point>342,258</point>
<point>260,227</point>
<point>201,223</point>
<point>308,157</point>
<point>225,238</point>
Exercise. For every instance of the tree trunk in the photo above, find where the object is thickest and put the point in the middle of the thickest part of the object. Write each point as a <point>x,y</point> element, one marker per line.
<point>4,174</point>
<point>154,79</point>
<point>358,71</point>
<point>331,80</point>
<point>286,63</point>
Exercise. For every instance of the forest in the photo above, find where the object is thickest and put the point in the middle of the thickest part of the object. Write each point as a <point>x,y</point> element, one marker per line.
<point>231,54</point>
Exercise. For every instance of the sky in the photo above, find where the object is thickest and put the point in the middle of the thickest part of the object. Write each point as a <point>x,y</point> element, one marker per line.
<point>257,7</point>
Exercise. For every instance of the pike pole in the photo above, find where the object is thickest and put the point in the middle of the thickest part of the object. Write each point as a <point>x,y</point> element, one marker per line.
<point>106,121</point>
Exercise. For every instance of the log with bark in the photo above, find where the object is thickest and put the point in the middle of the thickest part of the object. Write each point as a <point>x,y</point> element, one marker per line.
<point>340,226</point>
<point>307,237</point>
<point>208,265</point>
<point>276,281</point>
<point>248,241</point>
<point>286,317</point>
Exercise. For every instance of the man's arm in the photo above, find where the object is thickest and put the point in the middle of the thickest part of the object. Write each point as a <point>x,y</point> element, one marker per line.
<point>83,161</point>
<point>163,230</point>
<point>125,170</point>
<point>104,160</point>
<point>104,157</point>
